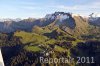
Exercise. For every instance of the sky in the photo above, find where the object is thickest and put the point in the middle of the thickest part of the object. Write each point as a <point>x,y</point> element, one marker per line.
<point>39,8</point>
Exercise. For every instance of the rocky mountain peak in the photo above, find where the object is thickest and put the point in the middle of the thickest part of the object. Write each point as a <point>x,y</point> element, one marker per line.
<point>58,16</point>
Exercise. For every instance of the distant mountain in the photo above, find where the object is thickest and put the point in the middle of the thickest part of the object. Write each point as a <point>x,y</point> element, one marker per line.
<point>7,19</point>
<point>94,19</point>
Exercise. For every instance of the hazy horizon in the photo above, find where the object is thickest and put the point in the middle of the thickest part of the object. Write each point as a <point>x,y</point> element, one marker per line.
<point>38,9</point>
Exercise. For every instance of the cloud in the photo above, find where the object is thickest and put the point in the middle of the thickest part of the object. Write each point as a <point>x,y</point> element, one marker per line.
<point>94,5</point>
<point>86,9</point>
<point>30,7</point>
<point>66,7</point>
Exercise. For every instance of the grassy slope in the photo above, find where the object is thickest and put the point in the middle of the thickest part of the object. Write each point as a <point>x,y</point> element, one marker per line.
<point>30,37</point>
<point>33,48</point>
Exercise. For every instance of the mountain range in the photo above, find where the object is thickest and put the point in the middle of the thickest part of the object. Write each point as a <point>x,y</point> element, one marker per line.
<point>68,22</point>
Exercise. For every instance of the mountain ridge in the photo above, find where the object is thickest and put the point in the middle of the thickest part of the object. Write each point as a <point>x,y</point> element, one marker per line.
<point>71,23</point>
